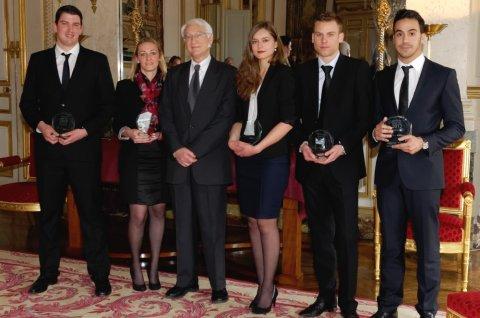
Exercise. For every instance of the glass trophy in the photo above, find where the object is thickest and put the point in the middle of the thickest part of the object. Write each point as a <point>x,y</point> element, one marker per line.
<point>401,127</point>
<point>63,122</point>
<point>320,141</point>
<point>144,121</point>
<point>254,137</point>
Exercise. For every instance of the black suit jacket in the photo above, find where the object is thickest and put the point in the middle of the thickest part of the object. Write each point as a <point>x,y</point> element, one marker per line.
<point>89,98</point>
<point>436,100</point>
<point>275,104</point>
<point>346,115</point>
<point>205,130</point>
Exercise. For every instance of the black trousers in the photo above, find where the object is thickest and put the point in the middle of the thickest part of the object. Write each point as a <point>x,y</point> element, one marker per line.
<point>397,204</point>
<point>332,211</point>
<point>53,177</point>
<point>205,204</point>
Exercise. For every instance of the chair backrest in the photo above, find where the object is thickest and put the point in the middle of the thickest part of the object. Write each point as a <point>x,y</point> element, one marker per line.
<point>456,160</point>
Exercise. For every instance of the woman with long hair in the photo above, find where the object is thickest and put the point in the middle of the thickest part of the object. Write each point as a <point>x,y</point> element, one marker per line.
<point>142,157</point>
<point>266,114</point>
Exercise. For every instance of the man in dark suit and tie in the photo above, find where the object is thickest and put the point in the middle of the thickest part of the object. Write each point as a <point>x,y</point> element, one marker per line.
<point>333,95</point>
<point>409,175</point>
<point>196,113</point>
<point>71,79</point>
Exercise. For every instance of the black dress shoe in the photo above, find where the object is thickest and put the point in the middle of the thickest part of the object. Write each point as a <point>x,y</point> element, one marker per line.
<point>154,286</point>
<point>427,315</point>
<point>317,308</point>
<point>137,287</point>
<point>103,288</point>
<point>219,296</point>
<point>350,315</point>
<point>177,291</point>
<point>263,311</point>
<point>41,285</point>
<point>384,314</point>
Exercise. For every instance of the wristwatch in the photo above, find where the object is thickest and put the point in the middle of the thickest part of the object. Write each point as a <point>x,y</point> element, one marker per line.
<point>425,144</point>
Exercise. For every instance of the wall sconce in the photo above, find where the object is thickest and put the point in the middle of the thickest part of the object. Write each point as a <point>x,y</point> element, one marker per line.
<point>431,30</point>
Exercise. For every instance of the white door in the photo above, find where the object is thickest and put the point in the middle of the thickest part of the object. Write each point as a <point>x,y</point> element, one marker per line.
<point>237,25</point>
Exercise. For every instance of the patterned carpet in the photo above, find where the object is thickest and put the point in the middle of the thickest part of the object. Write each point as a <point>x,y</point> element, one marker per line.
<point>72,296</point>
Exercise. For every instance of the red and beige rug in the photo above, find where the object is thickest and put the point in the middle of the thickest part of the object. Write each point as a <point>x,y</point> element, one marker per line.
<point>72,296</point>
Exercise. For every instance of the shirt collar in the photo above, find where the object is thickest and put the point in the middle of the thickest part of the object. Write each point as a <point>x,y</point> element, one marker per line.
<point>74,50</point>
<point>416,63</point>
<point>203,64</point>
<point>332,62</point>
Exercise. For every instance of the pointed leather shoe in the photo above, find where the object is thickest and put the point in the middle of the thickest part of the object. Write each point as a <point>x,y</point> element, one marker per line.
<point>177,291</point>
<point>103,288</point>
<point>383,314</point>
<point>41,285</point>
<point>317,308</point>
<point>219,296</point>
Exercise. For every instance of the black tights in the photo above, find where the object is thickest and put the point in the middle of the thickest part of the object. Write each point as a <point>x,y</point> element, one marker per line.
<point>136,227</point>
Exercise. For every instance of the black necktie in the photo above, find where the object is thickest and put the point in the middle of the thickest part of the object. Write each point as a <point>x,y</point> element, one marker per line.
<point>66,71</point>
<point>403,99</point>
<point>326,85</point>
<point>194,88</point>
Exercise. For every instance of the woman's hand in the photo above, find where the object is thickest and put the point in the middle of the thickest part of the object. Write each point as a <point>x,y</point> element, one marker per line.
<point>242,149</point>
<point>156,136</point>
<point>137,136</point>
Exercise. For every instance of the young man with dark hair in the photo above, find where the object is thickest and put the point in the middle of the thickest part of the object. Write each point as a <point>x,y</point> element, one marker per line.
<point>333,95</point>
<point>409,175</point>
<point>75,82</point>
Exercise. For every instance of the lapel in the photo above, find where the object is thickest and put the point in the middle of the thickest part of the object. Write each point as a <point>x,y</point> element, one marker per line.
<point>420,85</point>
<point>339,73</point>
<point>183,87</point>
<point>210,82</point>
<point>390,80</point>
<point>82,55</point>
<point>267,79</point>
<point>314,73</point>
<point>52,67</point>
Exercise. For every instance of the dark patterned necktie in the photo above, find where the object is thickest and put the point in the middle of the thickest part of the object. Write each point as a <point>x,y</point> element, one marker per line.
<point>326,85</point>
<point>194,88</point>
<point>66,71</point>
<point>403,99</point>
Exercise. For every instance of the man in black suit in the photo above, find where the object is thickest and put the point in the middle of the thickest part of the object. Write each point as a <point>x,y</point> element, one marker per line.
<point>69,78</point>
<point>409,176</point>
<point>333,95</point>
<point>196,113</point>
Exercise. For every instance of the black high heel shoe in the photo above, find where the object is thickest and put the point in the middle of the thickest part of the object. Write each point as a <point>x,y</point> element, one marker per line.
<point>263,311</point>
<point>254,302</point>
<point>154,286</point>
<point>137,287</point>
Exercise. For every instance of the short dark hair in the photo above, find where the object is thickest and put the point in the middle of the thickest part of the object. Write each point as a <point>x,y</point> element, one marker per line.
<point>285,40</point>
<point>73,10</point>
<point>329,16</point>
<point>410,14</point>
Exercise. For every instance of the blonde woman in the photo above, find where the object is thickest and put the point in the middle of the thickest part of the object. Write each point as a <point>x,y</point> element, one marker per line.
<point>142,156</point>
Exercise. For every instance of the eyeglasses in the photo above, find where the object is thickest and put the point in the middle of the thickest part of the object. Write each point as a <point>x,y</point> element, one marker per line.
<point>196,36</point>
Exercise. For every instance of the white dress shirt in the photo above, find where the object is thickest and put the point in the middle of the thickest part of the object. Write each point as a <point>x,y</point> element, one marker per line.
<point>203,69</point>
<point>413,77</point>
<point>60,59</point>
<point>321,75</point>
<point>252,113</point>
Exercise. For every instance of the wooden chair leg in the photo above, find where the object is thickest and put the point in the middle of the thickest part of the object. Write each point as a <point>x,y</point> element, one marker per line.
<point>377,245</point>
<point>466,261</point>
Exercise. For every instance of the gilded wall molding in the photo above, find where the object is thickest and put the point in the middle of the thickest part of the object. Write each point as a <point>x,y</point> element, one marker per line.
<point>48,38</point>
<point>473,92</point>
<point>8,126</point>
<point>23,40</point>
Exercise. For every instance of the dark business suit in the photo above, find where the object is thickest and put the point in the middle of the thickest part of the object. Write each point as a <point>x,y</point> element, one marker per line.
<point>199,190</point>
<point>409,186</point>
<point>331,191</point>
<point>89,98</point>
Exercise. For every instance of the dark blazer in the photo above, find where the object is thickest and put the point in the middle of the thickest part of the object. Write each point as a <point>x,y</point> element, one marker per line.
<point>436,100</point>
<point>128,106</point>
<point>275,104</point>
<point>89,98</point>
<point>205,130</point>
<point>346,116</point>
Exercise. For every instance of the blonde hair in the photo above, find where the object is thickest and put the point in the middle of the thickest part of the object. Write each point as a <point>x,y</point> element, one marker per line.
<point>162,66</point>
<point>248,76</point>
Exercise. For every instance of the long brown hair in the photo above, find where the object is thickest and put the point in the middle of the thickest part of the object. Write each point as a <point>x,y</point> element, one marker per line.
<point>162,66</point>
<point>248,76</point>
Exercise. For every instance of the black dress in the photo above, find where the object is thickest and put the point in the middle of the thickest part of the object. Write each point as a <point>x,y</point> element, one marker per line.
<point>142,167</point>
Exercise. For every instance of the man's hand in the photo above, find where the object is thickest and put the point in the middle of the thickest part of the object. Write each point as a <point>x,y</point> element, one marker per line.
<point>72,136</point>
<point>307,152</point>
<point>137,136</point>
<point>49,134</point>
<point>382,132</point>
<point>185,157</point>
<point>331,155</point>
<point>410,144</point>
<point>243,149</point>
<point>156,136</point>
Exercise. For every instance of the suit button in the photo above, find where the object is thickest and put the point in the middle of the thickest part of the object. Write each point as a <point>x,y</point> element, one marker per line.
<point>63,105</point>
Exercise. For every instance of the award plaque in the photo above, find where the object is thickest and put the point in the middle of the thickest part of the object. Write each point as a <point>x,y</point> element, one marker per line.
<point>401,127</point>
<point>255,137</point>
<point>320,141</point>
<point>144,121</point>
<point>63,122</point>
